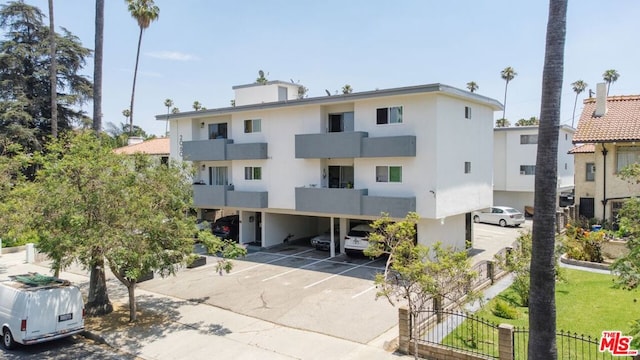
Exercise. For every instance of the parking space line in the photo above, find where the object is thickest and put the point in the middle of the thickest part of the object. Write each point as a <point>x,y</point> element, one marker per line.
<point>340,273</point>
<point>269,262</point>
<point>292,270</point>
<point>363,292</point>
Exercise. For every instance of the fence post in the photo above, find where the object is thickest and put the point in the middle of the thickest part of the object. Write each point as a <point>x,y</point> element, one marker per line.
<point>437,307</point>
<point>404,328</point>
<point>505,342</point>
<point>491,270</point>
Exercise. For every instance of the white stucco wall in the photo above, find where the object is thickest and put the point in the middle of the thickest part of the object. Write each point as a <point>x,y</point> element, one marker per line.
<point>257,94</point>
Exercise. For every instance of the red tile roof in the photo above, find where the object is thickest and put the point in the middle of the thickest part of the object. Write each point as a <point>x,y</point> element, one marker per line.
<point>159,146</point>
<point>583,149</point>
<point>620,123</point>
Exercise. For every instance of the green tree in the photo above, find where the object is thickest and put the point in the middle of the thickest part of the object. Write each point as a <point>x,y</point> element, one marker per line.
<point>472,86</point>
<point>262,80</point>
<point>97,67</point>
<point>25,83</point>
<point>542,306</point>
<point>507,75</point>
<point>197,106</point>
<point>418,274</point>
<point>578,87</point>
<point>144,12</point>
<point>168,103</point>
<point>610,76</point>
<point>532,121</point>
<point>628,267</point>
<point>347,89</point>
<point>502,123</point>
<point>302,91</point>
<point>128,212</point>
<point>120,133</point>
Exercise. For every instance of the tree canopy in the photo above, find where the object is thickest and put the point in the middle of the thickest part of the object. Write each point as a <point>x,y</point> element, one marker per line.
<point>25,86</point>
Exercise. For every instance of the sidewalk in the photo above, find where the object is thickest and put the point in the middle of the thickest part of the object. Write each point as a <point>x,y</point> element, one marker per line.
<point>203,331</point>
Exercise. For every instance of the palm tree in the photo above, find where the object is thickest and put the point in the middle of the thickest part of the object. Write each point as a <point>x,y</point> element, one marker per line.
<point>168,103</point>
<point>472,86</point>
<point>578,86</point>
<point>542,306</point>
<point>610,76</point>
<point>196,105</point>
<point>53,76</point>
<point>347,89</point>
<point>175,110</point>
<point>502,123</point>
<point>507,75</point>
<point>145,12</point>
<point>97,67</point>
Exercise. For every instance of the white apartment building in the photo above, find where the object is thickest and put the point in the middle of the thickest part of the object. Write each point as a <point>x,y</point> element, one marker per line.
<point>515,150</point>
<point>293,168</point>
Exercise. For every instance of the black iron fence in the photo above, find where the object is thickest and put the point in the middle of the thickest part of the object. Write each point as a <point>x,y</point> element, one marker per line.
<point>460,331</point>
<point>570,346</point>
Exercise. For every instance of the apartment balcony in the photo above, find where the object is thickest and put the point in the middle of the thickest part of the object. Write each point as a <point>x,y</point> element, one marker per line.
<point>351,202</point>
<point>396,207</point>
<point>330,200</point>
<point>210,196</point>
<point>217,196</point>
<point>222,149</point>
<point>355,144</point>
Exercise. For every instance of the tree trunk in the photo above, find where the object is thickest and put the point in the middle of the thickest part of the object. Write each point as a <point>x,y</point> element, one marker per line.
<point>98,299</point>
<point>97,67</point>
<point>53,76</point>
<point>573,117</point>
<point>542,307</point>
<point>504,103</point>
<point>133,90</point>
<point>133,316</point>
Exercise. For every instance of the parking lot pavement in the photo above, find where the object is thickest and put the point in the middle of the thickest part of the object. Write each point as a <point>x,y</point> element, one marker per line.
<point>489,239</point>
<point>295,286</point>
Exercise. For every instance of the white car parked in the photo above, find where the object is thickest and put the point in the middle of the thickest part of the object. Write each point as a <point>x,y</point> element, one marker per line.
<point>499,215</point>
<point>357,239</point>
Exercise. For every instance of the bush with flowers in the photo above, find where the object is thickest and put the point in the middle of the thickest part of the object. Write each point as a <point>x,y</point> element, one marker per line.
<point>581,244</point>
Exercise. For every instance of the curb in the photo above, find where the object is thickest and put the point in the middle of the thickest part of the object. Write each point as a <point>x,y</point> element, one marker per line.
<point>564,259</point>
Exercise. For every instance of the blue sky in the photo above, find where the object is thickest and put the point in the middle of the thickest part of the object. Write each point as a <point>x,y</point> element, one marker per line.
<point>199,49</point>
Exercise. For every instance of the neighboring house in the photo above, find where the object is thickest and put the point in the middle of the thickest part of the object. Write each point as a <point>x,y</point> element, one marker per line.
<point>609,131</point>
<point>158,147</point>
<point>294,168</point>
<point>514,165</point>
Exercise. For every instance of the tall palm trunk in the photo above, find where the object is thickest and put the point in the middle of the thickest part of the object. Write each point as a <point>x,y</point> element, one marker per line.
<point>573,117</point>
<point>53,76</point>
<point>542,307</point>
<point>504,103</point>
<point>133,90</point>
<point>97,67</point>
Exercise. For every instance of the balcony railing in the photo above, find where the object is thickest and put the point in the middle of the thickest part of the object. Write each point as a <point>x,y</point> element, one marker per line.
<point>352,202</point>
<point>217,196</point>
<point>354,144</point>
<point>222,149</point>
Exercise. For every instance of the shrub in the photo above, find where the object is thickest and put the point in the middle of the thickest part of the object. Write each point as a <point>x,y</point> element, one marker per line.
<point>504,310</point>
<point>581,244</point>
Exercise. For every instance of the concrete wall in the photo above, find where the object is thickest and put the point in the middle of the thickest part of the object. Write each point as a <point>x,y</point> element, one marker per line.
<point>515,199</point>
<point>257,93</point>
<point>279,226</point>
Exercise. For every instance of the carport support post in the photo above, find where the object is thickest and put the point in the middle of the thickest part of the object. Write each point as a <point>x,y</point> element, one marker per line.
<point>343,233</point>
<point>332,247</point>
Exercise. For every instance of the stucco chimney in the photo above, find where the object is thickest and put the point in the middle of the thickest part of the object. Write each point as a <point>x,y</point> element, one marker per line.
<point>601,99</point>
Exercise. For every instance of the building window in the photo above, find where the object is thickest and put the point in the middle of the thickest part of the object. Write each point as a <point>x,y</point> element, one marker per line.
<point>467,112</point>
<point>390,115</point>
<point>252,126</point>
<point>218,175</point>
<point>218,131</point>
<point>591,172</point>
<point>627,155</point>
<point>252,173</point>
<point>528,139</point>
<point>467,167</point>
<point>389,174</point>
<point>527,169</point>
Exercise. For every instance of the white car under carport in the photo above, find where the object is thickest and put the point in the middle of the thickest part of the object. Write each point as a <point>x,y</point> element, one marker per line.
<point>499,215</point>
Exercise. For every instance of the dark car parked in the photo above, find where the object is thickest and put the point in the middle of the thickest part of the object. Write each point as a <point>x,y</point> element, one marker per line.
<point>227,227</point>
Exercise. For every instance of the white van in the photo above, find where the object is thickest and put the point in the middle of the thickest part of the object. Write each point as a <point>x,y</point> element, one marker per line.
<point>35,308</point>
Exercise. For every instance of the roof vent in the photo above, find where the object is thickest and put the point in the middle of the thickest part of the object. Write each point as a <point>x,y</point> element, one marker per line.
<point>601,100</point>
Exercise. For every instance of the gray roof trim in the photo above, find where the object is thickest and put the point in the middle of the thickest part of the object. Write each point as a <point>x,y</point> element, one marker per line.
<point>342,98</point>
<point>273,82</point>
<point>532,127</point>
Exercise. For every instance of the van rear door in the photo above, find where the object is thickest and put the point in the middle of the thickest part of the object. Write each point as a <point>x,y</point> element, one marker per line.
<point>54,311</point>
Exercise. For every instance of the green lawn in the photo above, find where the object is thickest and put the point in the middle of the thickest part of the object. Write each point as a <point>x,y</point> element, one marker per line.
<point>586,304</point>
